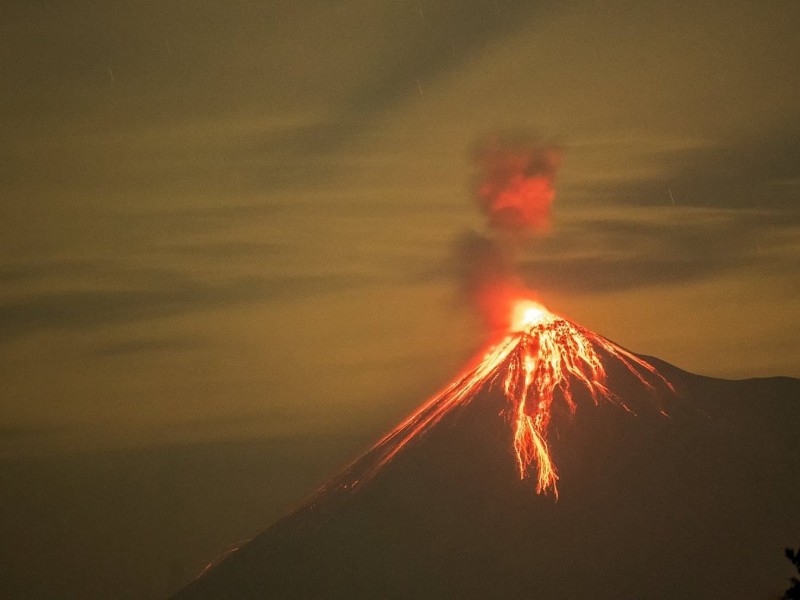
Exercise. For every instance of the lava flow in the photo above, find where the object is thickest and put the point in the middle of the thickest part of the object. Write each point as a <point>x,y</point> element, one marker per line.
<point>537,364</point>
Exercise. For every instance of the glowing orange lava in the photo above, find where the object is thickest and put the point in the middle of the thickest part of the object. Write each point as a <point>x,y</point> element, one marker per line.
<point>538,363</point>
<point>550,356</point>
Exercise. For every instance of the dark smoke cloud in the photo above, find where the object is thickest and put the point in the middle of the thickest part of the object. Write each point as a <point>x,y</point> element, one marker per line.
<point>515,190</point>
<point>516,185</point>
<point>488,278</point>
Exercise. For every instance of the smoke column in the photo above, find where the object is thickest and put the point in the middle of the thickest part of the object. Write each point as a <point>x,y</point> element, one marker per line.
<point>515,189</point>
<point>538,359</point>
<point>516,186</point>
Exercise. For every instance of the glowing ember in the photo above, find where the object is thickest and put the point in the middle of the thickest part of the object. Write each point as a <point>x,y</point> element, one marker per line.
<point>537,364</point>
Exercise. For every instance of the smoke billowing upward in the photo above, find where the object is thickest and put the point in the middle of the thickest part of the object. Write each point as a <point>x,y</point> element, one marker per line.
<point>515,190</point>
<point>516,186</point>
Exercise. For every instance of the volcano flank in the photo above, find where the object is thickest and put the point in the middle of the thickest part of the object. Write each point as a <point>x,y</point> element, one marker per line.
<point>670,485</point>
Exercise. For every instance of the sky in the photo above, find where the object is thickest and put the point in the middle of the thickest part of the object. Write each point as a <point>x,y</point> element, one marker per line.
<point>238,220</point>
<point>235,219</point>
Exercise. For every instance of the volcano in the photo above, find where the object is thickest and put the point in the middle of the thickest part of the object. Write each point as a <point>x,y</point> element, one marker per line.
<point>670,485</point>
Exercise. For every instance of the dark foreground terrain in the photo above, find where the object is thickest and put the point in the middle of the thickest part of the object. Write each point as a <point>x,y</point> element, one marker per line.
<point>698,505</point>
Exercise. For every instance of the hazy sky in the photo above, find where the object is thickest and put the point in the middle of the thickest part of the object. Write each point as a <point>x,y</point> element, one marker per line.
<point>237,219</point>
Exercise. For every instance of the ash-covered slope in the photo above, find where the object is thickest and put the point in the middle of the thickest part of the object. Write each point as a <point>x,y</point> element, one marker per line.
<point>698,505</point>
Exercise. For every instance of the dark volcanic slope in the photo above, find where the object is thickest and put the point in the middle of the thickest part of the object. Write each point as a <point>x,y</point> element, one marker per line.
<point>697,506</point>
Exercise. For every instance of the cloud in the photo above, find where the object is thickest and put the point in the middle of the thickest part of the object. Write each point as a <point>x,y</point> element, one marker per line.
<point>444,35</point>
<point>755,172</point>
<point>150,294</point>
<point>19,432</point>
<point>691,245</point>
<point>427,42</point>
<point>590,256</point>
<point>516,187</point>
<point>147,345</point>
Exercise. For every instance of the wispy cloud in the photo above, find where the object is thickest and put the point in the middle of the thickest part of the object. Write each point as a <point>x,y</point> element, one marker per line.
<point>736,173</point>
<point>150,295</point>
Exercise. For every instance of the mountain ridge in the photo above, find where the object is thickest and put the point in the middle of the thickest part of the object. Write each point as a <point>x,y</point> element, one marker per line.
<point>650,506</point>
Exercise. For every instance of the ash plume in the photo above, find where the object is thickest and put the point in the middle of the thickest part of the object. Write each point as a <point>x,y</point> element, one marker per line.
<point>514,189</point>
<point>516,185</point>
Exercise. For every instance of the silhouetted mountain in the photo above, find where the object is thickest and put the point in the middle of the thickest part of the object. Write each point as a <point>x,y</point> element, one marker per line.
<point>697,505</point>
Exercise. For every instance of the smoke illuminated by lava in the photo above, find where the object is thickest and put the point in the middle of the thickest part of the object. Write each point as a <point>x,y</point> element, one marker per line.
<point>516,187</point>
<point>540,362</point>
<point>542,359</point>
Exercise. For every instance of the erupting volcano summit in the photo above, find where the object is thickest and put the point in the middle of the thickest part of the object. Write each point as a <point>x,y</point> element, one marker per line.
<point>437,508</point>
<point>539,362</point>
<point>441,507</point>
